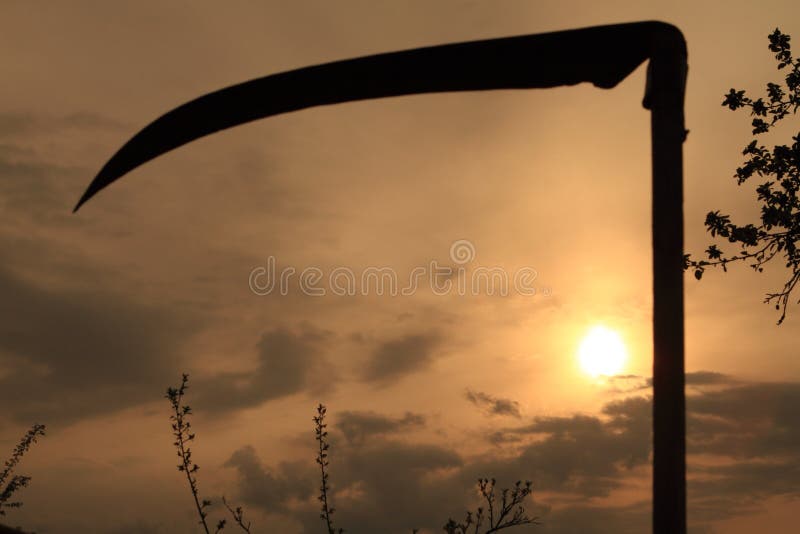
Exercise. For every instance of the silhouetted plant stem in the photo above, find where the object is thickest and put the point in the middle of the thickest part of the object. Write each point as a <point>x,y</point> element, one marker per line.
<point>322,460</point>
<point>238,515</point>
<point>509,511</point>
<point>506,513</point>
<point>17,482</point>
<point>181,430</point>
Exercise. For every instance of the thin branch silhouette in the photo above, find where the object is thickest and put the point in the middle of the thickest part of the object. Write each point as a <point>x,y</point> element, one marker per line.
<point>17,482</point>
<point>322,460</point>
<point>501,512</point>
<point>238,515</point>
<point>183,436</point>
<point>507,513</point>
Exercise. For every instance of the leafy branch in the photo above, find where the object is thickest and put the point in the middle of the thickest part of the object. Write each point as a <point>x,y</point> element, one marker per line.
<point>778,231</point>
<point>17,482</point>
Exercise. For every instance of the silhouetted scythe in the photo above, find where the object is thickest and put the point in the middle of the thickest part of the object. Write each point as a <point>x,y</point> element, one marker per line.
<point>602,55</point>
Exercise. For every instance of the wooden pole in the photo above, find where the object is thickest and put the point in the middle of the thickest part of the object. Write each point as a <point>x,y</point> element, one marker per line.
<point>664,97</point>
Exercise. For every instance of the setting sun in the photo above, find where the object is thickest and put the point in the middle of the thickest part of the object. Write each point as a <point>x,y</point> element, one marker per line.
<point>602,352</point>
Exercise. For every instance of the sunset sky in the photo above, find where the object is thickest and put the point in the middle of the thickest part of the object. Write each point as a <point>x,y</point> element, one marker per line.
<point>102,310</point>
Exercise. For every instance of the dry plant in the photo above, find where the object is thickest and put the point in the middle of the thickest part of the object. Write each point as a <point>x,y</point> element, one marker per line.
<point>506,512</point>
<point>181,430</point>
<point>322,461</point>
<point>13,483</point>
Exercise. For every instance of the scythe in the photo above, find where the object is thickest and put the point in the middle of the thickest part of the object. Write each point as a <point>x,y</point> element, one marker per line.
<point>601,55</point>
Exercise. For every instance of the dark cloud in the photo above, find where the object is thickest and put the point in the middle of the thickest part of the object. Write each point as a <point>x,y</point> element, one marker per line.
<point>630,519</point>
<point>750,421</point>
<point>70,354</point>
<point>755,429</point>
<point>35,182</point>
<point>632,383</point>
<point>12,124</point>
<point>392,487</point>
<point>271,491</point>
<point>138,527</point>
<point>580,454</point>
<point>383,485</point>
<point>736,489</point>
<point>25,123</point>
<point>288,362</point>
<point>35,189</point>
<point>493,405</point>
<point>359,426</point>
<point>706,378</point>
<point>395,359</point>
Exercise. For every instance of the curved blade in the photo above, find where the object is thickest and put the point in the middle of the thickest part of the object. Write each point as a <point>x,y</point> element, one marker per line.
<point>602,55</point>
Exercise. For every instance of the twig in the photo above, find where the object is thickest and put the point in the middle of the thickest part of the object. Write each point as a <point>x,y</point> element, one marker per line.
<point>322,459</point>
<point>238,515</point>
<point>509,511</point>
<point>181,430</point>
<point>17,482</point>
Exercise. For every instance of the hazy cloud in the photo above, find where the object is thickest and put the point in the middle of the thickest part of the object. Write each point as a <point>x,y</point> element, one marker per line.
<point>359,426</point>
<point>493,405</point>
<point>34,189</point>
<point>755,428</point>
<point>631,383</point>
<point>750,421</point>
<point>631,519</point>
<point>15,124</point>
<point>288,363</point>
<point>388,486</point>
<point>268,489</point>
<point>71,354</point>
<point>138,527</point>
<point>706,378</point>
<point>397,358</point>
<point>584,455</point>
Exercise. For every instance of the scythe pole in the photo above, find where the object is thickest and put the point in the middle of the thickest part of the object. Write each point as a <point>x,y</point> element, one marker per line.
<point>666,81</point>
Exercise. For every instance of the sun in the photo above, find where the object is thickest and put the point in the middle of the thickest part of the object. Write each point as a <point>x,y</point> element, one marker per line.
<point>602,352</point>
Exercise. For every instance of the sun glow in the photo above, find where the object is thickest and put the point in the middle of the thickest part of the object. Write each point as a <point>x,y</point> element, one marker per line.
<point>602,352</point>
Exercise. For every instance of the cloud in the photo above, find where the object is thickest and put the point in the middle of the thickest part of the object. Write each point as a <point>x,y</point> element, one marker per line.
<point>70,354</point>
<point>34,190</point>
<point>630,519</point>
<point>633,383</point>
<point>138,527</point>
<point>750,421</point>
<point>16,124</point>
<point>493,405</point>
<point>706,378</point>
<point>754,429</point>
<point>389,486</point>
<point>289,362</point>
<point>271,491</point>
<point>583,455</point>
<point>725,491</point>
<point>37,169</point>
<point>356,427</point>
<point>747,433</point>
<point>395,359</point>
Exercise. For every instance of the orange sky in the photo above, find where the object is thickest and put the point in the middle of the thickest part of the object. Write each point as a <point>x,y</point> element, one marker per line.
<point>106,308</point>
